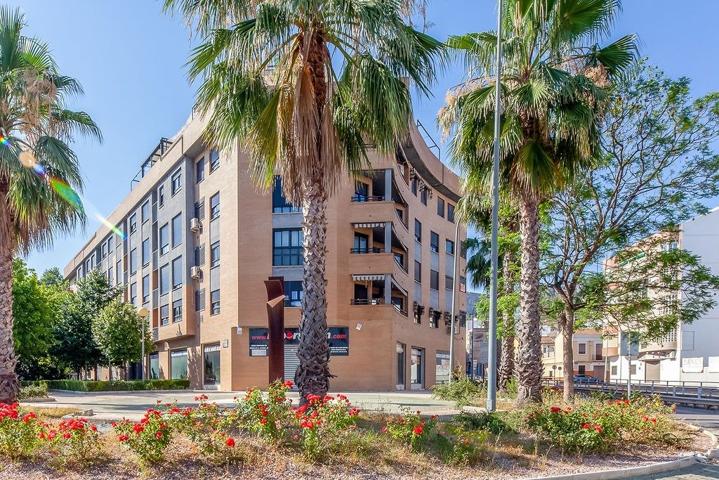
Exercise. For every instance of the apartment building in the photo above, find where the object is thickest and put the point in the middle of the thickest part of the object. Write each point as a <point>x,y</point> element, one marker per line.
<point>195,239</point>
<point>587,346</point>
<point>691,351</point>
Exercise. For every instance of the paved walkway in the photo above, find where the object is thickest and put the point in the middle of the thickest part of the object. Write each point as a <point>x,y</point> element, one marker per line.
<point>697,472</point>
<point>116,405</point>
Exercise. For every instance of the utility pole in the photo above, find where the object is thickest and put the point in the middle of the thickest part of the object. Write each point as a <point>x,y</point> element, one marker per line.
<point>457,250</point>
<point>492,350</point>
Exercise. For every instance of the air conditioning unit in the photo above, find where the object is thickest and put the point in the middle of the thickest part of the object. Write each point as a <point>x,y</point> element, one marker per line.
<point>195,225</point>
<point>195,272</point>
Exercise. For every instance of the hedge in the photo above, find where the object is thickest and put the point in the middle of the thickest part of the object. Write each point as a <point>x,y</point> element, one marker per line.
<point>111,386</point>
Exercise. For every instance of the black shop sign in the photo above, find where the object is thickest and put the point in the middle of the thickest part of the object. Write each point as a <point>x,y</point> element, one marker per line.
<point>338,338</point>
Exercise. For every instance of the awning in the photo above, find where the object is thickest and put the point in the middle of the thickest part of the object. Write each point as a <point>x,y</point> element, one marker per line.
<point>367,277</point>
<point>369,225</point>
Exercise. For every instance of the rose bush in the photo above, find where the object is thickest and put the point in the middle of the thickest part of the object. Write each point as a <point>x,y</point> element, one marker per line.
<point>19,432</point>
<point>269,418</point>
<point>147,438</point>
<point>323,420</point>
<point>411,428</point>
<point>74,441</point>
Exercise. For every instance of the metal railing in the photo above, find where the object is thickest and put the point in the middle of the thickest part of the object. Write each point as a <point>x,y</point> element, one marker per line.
<point>367,301</point>
<point>364,250</point>
<point>431,144</point>
<point>367,198</point>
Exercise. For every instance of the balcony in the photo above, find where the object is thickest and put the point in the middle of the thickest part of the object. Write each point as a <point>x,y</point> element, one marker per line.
<point>357,197</point>
<point>366,250</point>
<point>379,289</point>
<point>661,346</point>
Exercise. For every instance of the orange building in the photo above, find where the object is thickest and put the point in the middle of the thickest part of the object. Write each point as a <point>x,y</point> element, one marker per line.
<point>199,239</point>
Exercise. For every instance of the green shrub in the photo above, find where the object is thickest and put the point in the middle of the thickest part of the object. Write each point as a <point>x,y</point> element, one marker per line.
<point>463,391</point>
<point>495,423</point>
<point>464,447</point>
<point>113,385</point>
<point>38,390</point>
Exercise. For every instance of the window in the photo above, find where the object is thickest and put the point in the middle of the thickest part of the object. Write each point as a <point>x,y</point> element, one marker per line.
<point>462,284</point>
<point>215,255</point>
<point>582,348</point>
<point>582,370</point>
<point>161,195</point>
<point>215,206</point>
<point>434,280</point>
<point>200,209</point>
<point>449,246</point>
<point>417,272</point>
<point>614,369</point>
<point>440,207</point>
<point>133,261</point>
<point>177,273</point>
<point>178,364</point>
<point>448,282</point>
<point>212,365</point>
<point>293,293</point>
<point>423,196</point>
<point>200,255</point>
<point>145,252</point>
<point>176,230</point>
<point>118,272</point>
<point>133,223</point>
<point>145,211</point>
<point>110,244</point>
<point>360,244</point>
<point>279,202</point>
<point>434,242</point>
<point>400,365</point>
<point>417,366</point>
<point>287,246</point>
<point>177,311</point>
<point>214,160</point>
<point>164,279</point>
<point>598,351</point>
<point>199,300</point>
<point>164,239</point>
<point>200,170</point>
<point>146,289</point>
<point>103,250</point>
<point>418,230</point>
<point>450,212</point>
<point>110,278</point>
<point>133,293</point>
<point>361,192</point>
<point>176,182</point>
<point>442,367</point>
<point>155,366</point>
<point>164,315</point>
<point>215,302</point>
<point>414,186</point>
<point>633,369</point>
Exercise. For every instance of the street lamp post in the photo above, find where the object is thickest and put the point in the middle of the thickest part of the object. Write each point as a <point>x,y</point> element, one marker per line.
<point>143,313</point>
<point>457,249</point>
<point>492,347</point>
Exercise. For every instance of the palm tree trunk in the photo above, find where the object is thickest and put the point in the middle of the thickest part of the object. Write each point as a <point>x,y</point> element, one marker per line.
<point>506,363</point>
<point>313,373</point>
<point>9,386</point>
<point>567,327</point>
<point>529,359</point>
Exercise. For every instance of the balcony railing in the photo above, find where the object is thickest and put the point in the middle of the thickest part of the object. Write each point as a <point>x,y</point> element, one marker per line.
<point>399,308</point>
<point>367,301</point>
<point>365,250</point>
<point>401,265</point>
<point>367,198</point>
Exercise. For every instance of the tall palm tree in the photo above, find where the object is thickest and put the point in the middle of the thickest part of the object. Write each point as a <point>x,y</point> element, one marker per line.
<point>306,86</point>
<point>552,84</point>
<point>38,170</point>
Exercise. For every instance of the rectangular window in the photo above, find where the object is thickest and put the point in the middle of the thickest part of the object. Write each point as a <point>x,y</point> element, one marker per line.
<point>199,255</point>
<point>164,239</point>
<point>110,278</point>
<point>199,300</point>
<point>200,170</point>
<point>279,202</point>
<point>417,366</point>
<point>145,211</point>
<point>146,289</point>
<point>110,244</point>
<point>614,369</point>
<point>448,282</point>
<point>133,293</point>
<point>155,366</point>
<point>434,242</point>
<point>582,348</point>
<point>161,195</point>
<point>633,369</point>
<point>118,272</point>
<point>434,280</point>
<point>449,246</point>
<point>103,251</point>
<point>133,223</point>
<point>450,212</point>
<point>164,315</point>
<point>215,302</point>
<point>212,365</point>
<point>215,254</point>
<point>214,159</point>
<point>176,230</point>
<point>287,246</point>
<point>177,311</point>
<point>418,230</point>
<point>145,252</point>
<point>462,284</point>
<point>176,182</point>
<point>440,207</point>
<point>414,186</point>
<point>423,196</point>
<point>361,192</point>
<point>417,272</point>
<point>582,370</point>
<point>215,206</point>
<point>400,365</point>
<point>361,243</point>
<point>598,351</point>
<point>178,364</point>
<point>177,273</point>
<point>164,279</point>
<point>200,209</point>
<point>293,293</point>
<point>133,261</point>
<point>442,367</point>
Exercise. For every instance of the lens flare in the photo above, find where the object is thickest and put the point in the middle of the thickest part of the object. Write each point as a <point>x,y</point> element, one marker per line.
<point>3,140</point>
<point>66,192</point>
<point>27,159</point>
<point>109,225</point>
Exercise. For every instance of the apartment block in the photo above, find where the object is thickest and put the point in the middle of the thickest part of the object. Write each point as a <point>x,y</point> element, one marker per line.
<point>195,239</point>
<point>587,346</point>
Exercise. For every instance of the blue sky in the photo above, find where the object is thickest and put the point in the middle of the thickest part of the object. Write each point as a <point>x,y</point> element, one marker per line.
<point>130,58</point>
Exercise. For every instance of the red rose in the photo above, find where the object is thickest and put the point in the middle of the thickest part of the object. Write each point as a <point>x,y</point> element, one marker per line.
<point>230,442</point>
<point>598,428</point>
<point>123,438</point>
<point>555,409</point>
<point>585,426</point>
<point>288,383</point>
<point>138,428</point>
<point>66,435</point>
<point>417,430</point>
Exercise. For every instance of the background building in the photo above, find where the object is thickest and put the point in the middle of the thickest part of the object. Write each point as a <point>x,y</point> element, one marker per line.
<point>195,240</point>
<point>588,353</point>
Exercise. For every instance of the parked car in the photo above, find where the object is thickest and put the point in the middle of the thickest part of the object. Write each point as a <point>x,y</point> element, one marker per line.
<point>581,378</point>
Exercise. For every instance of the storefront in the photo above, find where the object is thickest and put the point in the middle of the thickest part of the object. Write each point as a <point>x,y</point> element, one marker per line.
<point>211,371</point>
<point>178,364</point>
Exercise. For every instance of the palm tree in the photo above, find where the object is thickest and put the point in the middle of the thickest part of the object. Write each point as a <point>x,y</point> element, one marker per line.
<point>38,170</point>
<point>478,264</point>
<point>306,86</point>
<point>553,82</point>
